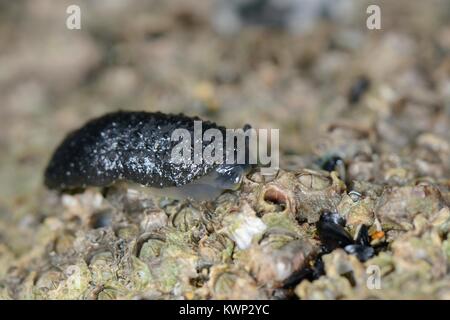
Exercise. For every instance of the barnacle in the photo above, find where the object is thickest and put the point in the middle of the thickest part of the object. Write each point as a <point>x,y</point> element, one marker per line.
<point>232,283</point>
<point>396,206</point>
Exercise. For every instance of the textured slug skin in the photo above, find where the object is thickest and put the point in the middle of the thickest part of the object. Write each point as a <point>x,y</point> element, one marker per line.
<point>130,146</point>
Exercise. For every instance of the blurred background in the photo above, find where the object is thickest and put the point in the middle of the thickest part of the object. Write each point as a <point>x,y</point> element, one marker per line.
<point>296,65</point>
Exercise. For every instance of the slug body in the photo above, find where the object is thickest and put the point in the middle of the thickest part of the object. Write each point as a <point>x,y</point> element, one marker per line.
<point>137,147</point>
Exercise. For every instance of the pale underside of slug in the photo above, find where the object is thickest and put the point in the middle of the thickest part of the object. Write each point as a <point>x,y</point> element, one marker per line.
<point>136,147</point>
<point>205,188</point>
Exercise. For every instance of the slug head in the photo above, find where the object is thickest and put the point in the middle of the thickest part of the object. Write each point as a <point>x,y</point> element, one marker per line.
<point>229,177</point>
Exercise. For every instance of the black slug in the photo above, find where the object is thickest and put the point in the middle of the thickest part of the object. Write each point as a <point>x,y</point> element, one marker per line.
<point>137,147</point>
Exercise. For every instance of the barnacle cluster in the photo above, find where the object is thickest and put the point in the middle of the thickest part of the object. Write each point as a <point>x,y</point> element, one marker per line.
<point>262,241</point>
